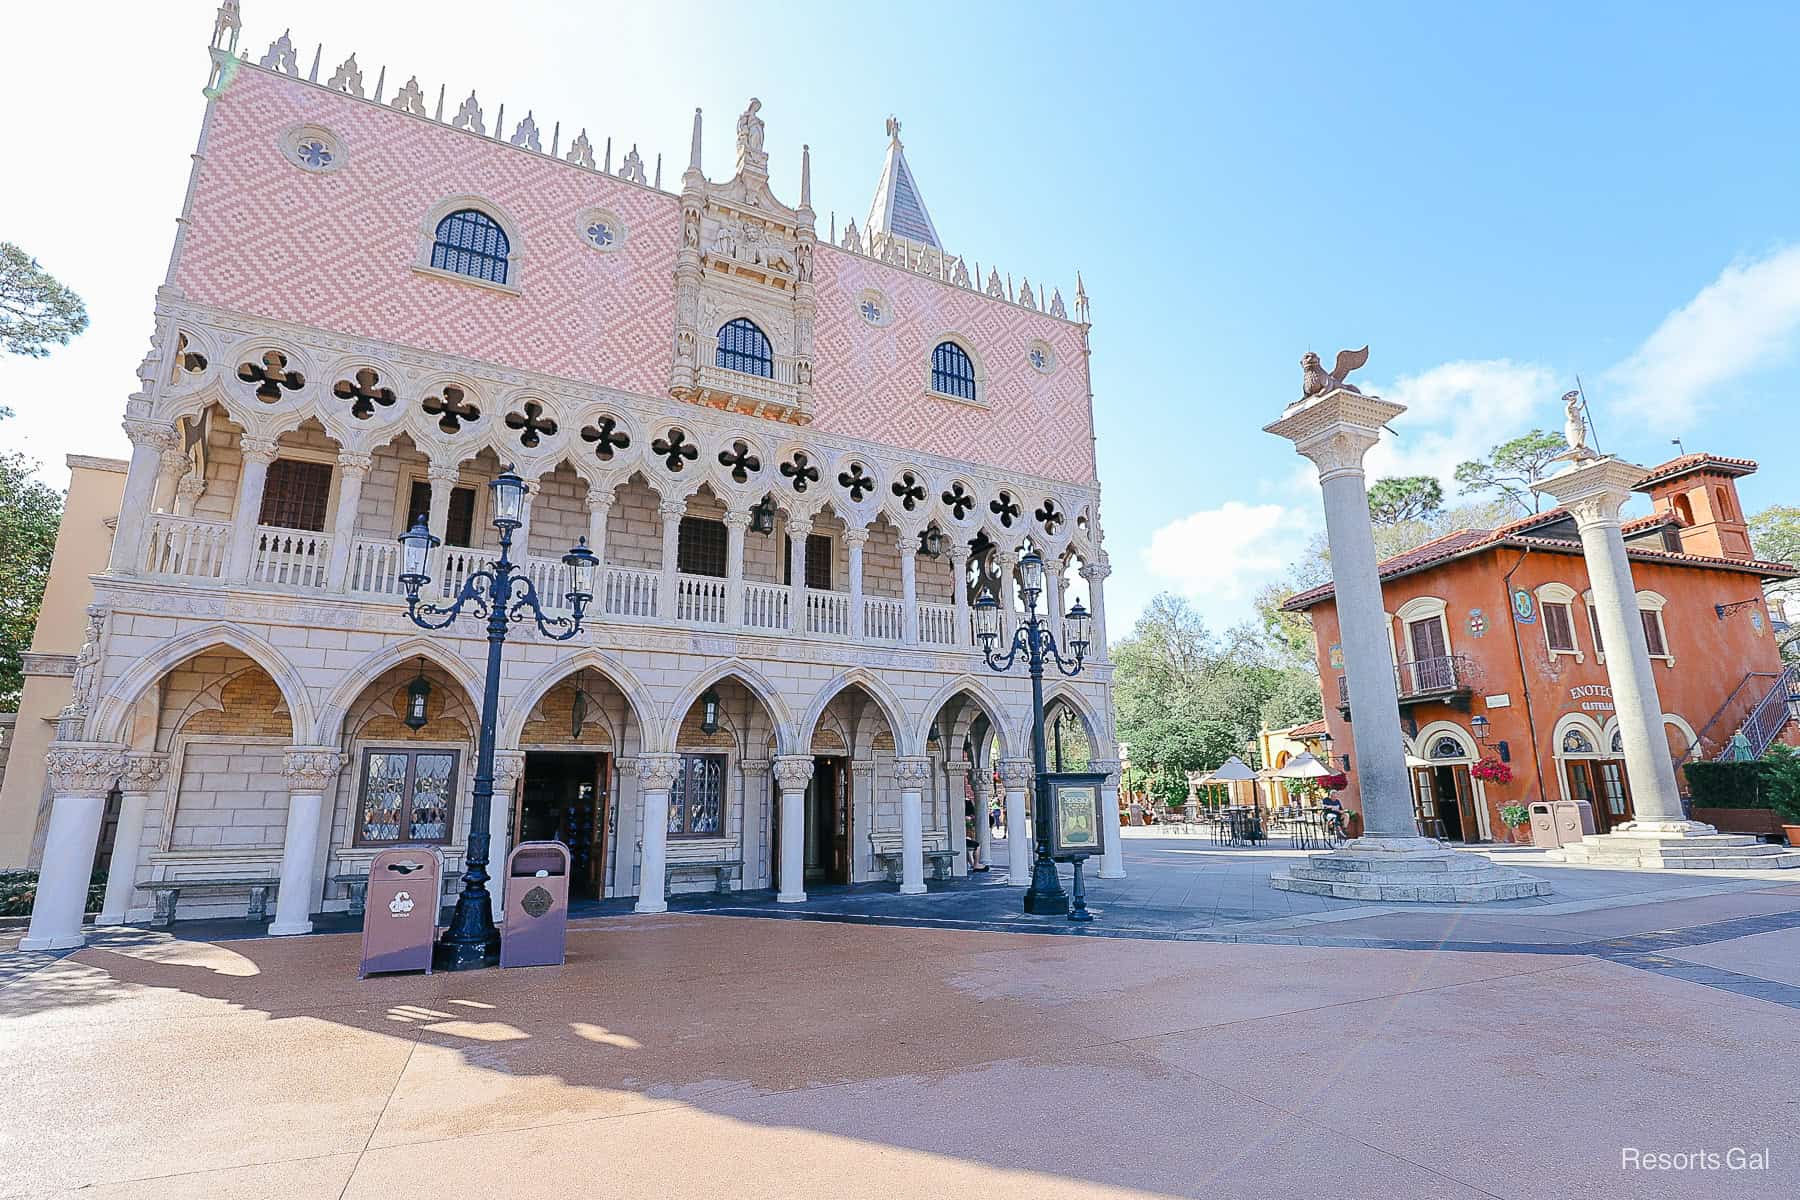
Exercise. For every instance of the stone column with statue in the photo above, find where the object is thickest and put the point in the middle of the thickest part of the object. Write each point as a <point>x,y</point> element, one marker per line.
<point>1594,490</point>
<point>1334,425</point>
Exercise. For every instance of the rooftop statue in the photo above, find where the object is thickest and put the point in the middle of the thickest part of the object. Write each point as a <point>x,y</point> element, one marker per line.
<point>1315,382</point>
<point>1575,430</point>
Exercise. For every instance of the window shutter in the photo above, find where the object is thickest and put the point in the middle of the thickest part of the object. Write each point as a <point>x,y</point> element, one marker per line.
<point>1653,634</point>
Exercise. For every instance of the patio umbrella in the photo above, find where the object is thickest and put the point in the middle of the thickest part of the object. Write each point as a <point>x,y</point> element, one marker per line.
<point>1303,766</point>
<point>1233,770</point>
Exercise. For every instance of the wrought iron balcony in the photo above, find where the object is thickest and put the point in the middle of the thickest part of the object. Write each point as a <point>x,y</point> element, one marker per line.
<point>1443,679</point>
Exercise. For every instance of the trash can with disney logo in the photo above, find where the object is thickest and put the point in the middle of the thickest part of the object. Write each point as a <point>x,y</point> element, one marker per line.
<point>400,917</point>
<point>537,905</point>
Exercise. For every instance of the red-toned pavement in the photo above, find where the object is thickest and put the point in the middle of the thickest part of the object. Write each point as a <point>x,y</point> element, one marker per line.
<point>705,1055</point>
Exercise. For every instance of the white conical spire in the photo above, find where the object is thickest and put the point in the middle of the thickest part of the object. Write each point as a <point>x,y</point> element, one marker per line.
<point>898,207</point>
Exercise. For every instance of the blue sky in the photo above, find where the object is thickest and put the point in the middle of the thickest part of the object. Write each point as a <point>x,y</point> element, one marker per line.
<point>1494,201</point>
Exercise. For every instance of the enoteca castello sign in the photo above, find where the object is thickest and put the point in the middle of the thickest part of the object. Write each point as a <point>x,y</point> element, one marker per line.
<point>1593,697</point>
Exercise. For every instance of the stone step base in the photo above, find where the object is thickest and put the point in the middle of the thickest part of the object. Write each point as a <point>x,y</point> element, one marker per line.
<point>1653,852</point>
<point>1434,876</point>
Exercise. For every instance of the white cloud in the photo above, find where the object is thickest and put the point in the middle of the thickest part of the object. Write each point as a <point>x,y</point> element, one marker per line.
<point>1458,411</point>
<point>1218,557</point>
<point>1743,322</point>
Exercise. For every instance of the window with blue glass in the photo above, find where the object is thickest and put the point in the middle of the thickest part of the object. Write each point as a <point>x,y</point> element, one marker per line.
<point>744,347</point>
<point>952,371</point>
<point>469,242</point>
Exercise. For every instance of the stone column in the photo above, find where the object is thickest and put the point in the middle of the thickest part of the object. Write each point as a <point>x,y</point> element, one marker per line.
<point>310,771</point>
<point>862,791</point>
<point>353,469</point>
<point>1052,599</point>
<point>736,525</point>
<point>1391,861</point>
<point>672,511</point>
<point>80,776</point>
<point>148,441</point>
<point>443,480</point>
<point>1112,857</point>
<point>1095,573</point>
<point>854,541</point>
<point>257,454</point>
<point>188,493</point>
<point>509,768</point>
<point>143,774</point>
<point>798,530</point>
<point>792,773</point>
<point>956,781</point>
<point>656,775</point>
<point>908,546</point>
<point>754,785</point>
<point>963,634</point>
<point>599,506</point>
<point>981,780</point>
<point>173,463</point>
<point>1015,777</point>
<point>1008,561</point>
<point>522,535</point>
<point>1659,835</point>
<point>910,775</point>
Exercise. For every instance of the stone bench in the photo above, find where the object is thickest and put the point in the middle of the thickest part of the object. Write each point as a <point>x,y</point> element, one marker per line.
<point>167,893</point>
<point>723,869</point>
<point>359,891</point>
<point>942,863</point>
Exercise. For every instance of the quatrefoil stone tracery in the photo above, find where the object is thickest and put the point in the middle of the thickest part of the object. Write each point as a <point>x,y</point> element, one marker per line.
<point>742,462</point>
<point>675,450</point>
<point>856,481</point>
<point>800,470</point>
<point>958,500</point>
<point>364,391</point>
<point>270,375</point>
<point>606,436</point>
<point>532,424</point>
<point>451,409</point>
<point>1006,508</point>
<point>910,491</point>
<point>1049,516</point>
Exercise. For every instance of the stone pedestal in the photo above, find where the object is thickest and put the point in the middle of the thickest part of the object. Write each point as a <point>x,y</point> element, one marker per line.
<point>1335,431</point>
<point>1660,836</point>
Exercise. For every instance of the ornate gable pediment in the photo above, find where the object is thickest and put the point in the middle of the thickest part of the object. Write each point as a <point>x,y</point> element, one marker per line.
<point>745,256</point>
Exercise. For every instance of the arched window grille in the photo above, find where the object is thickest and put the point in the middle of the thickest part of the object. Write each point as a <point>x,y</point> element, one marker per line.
<point>952,371</point>
<point>469,242</point>
<point>744,347</point>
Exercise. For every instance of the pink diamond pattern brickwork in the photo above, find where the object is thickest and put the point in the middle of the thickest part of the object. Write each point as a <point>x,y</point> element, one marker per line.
<point>336,250</point>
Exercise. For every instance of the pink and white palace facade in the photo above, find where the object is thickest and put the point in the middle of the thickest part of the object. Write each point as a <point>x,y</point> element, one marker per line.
<point>799,462</point>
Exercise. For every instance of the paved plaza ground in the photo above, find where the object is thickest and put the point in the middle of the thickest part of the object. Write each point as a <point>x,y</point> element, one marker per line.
<point>1209,1036</point>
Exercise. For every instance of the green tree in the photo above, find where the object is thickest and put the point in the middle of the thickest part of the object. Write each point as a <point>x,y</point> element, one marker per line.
<point>1405,498</point>
<point>1512,467</point>
<point>29,515</point>
<point>1775,537</point>
<point>35,309</point>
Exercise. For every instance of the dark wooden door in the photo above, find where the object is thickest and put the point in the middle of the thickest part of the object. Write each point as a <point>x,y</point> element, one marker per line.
<point>1470,827</point>
<point>564,799</point>
<point>1615,791</point>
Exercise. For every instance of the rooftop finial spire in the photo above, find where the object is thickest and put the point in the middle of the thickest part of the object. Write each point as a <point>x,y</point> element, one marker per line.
<point>893,128</point>
<point>805,176</point>
<point>694,146</point>
<point>898,209</point>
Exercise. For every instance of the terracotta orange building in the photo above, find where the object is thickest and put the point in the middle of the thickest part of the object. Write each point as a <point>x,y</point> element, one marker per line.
<point>1501,669</point>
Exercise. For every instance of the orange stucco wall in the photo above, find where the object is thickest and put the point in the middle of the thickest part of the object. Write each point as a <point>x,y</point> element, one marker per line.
<point>1711,657</point>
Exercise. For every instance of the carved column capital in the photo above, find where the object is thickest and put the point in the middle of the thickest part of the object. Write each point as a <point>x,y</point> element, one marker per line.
<point>657,772</point>
<point>158,435</point>
<point>257,449</point>
<point>793,771</point>
<point>438,473</point>
<point>1015,773</point>
<point>1595,491</point>
<point>911,773</point>
<point>981,781</point>
<point>599,499</point>
<point>753,767</point>
<point>84,768</point>
<point>672,509</point>
<point>509,766</point>
<point>1336,430</point>
<point>1110,766</point>
<point>736,519</point>
<point>143,772</point>
<point>355,461</point>
<point>855,539</point>
<point>311,769</point>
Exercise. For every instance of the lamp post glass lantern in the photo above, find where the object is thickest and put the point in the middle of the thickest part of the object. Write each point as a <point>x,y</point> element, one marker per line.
<point>1034,639</point>
<point>503,598</point>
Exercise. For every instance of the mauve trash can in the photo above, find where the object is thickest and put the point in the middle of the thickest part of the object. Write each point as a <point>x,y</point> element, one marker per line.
<point>401,909</point>
<point>1543,827</point>
<point>1574,821</point>
<point>537,905</point>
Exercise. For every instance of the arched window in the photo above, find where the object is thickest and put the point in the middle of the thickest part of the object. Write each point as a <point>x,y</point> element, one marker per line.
<point>744,347</point>
<point>469,242</point>
<point>952,371</point>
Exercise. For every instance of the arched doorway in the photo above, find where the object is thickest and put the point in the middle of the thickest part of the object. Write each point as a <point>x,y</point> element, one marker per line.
<point>851,826</point>
<point>1448,802</point>
<point>1592,771</point>
<point>722,818</point>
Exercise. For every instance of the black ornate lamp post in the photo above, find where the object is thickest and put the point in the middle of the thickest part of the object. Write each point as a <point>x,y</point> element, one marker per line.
<point>1034,639</point>
<point>494,592</point>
